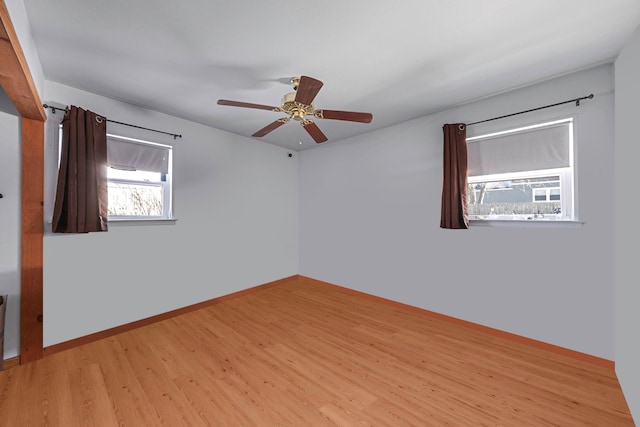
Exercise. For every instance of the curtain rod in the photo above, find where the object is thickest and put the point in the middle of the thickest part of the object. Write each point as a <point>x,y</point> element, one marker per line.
<point>576,100</point>
<point>53,109</point>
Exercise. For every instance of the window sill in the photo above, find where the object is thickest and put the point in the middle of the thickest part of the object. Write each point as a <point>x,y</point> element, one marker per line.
<point>141,221</point>
<point>123,223</point>
<point>533,223</point>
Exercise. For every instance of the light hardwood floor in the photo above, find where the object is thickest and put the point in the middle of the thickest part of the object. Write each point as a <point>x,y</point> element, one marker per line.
<point>302,354</point>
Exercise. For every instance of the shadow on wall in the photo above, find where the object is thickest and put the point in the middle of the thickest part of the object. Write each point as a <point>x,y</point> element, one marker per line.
<point>6,105</point>
<point>10,286</point>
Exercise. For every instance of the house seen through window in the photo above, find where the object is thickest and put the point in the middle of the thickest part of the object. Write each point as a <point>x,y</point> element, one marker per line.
<point>522,174</point>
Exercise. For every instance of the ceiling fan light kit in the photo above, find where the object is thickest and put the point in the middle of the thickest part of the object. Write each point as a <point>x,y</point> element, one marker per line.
<point>298,105</point>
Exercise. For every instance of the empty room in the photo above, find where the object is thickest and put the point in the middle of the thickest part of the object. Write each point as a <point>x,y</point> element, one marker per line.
<point>268,213</point>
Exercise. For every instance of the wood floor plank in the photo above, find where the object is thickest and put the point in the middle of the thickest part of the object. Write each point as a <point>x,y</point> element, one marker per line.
<point>305,355</point>
<point>169,402</point>
<point>129,400</point>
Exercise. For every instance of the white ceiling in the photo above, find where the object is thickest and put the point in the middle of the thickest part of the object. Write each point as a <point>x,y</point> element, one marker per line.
<point>396,59</point>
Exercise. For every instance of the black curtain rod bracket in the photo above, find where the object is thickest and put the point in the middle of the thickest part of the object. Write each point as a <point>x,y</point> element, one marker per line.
<point>174,135</point>
<point>576,100</point>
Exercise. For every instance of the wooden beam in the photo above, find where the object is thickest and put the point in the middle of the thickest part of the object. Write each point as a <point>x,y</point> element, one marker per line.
<point>31,300</point>
<point>15,77</point>
<point>17,82</point>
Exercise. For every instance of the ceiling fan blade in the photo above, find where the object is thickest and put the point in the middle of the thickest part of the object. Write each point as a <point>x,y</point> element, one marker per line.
<point>307,90</point>
<point>270,127</point>
<point>314,131</point>
<point>246,105</point>
<point>350,116</point>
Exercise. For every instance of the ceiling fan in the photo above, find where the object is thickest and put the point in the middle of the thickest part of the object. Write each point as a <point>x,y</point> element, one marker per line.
<point>298,105</point>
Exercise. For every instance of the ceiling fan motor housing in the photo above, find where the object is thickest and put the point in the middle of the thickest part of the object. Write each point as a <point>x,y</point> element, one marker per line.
<point>295,109</point>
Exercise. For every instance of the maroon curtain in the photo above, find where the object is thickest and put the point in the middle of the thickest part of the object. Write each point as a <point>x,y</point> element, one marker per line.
<point>454,185</point>
<point>81,195</point>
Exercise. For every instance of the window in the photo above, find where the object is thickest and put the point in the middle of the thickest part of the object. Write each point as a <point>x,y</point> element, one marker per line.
<point>546,194</point>
<point>522,174</point>
<point>139,179</point>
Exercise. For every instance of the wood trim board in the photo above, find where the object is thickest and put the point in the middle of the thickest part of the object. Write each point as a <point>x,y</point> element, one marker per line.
<point>153,319</point>
<point>598,361</point>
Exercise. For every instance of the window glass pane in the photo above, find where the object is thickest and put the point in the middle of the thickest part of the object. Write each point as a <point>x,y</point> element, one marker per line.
<point>129,199</point>
<point>521,198</point>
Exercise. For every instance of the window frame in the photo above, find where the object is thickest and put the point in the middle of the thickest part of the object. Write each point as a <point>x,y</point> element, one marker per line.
<point>166,184</point>
<point>567,177</point>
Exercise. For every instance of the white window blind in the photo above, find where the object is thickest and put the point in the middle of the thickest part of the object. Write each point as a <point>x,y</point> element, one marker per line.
<point>529,150</point>
<point>133,156</point>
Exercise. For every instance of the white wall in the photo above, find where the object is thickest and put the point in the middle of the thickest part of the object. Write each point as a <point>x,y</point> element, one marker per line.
<point>236,202</point>
<point>370,215</point>
<point>10,222</point>
<point>627,70</point>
